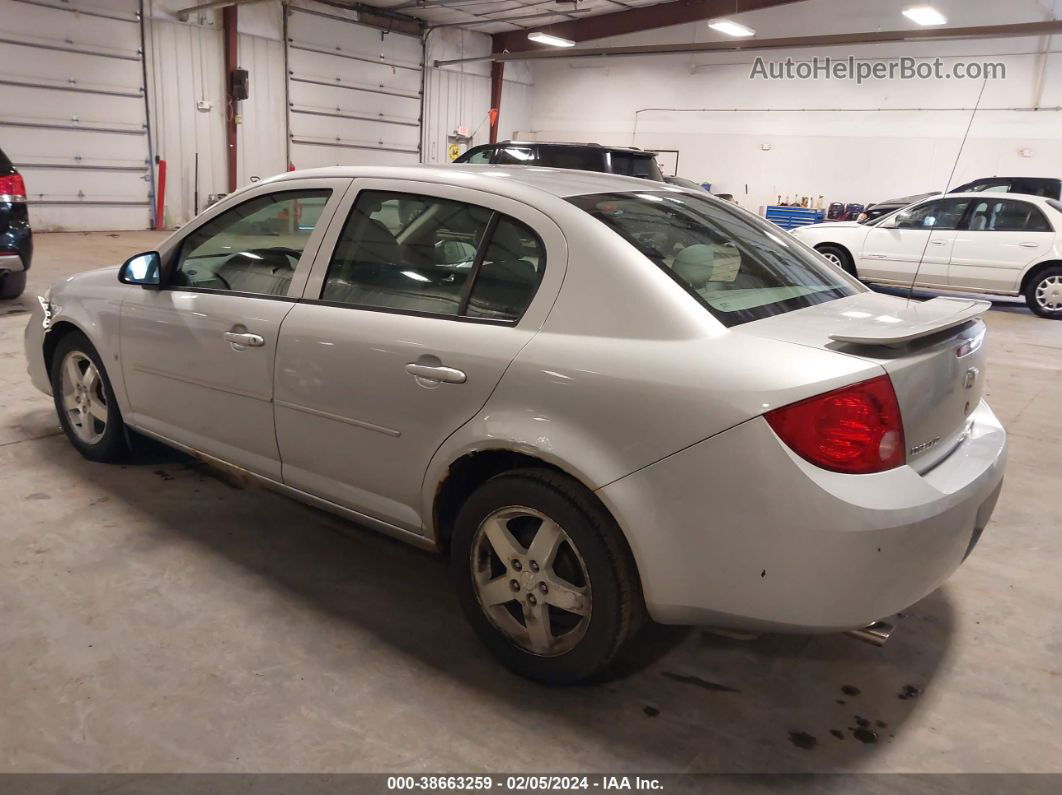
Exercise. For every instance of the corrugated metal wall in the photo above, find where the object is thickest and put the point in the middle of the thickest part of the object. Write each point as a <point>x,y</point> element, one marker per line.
<point>262,131</point>
<point>517,96</point>
<point>354,91</point>
<point>185,68</point>
<point>72,112</point>
<point>457,96</point>
<point>72,109</point>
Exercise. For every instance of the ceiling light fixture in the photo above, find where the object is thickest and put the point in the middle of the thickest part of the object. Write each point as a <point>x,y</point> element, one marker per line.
<point>731,28</point>
<point>552,41</point>
<point>924,15</point>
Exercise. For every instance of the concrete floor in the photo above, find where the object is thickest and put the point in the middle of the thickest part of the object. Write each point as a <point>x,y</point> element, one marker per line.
<point>155,618</point>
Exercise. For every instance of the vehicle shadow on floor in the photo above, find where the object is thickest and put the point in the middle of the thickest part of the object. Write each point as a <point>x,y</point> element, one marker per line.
<point>684,700</point>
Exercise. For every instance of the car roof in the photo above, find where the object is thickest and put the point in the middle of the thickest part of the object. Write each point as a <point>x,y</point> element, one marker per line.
<point>634,150</point>
<point>1033,179</point>
<point>504,180</point>
<point>981,194</point>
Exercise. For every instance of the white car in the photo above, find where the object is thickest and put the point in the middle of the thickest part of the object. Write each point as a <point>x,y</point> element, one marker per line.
<point>1005,244</point>
<point>599,395</point>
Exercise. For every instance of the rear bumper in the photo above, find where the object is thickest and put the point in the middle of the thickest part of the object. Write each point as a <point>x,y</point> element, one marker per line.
<point>739,532</point>
<point>11,263</point>
<point>16,238</point>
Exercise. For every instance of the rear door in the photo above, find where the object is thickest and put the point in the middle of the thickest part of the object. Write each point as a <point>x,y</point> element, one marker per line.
<point>917,240</point>
<point>1002,236</point>
<point>420,298</point>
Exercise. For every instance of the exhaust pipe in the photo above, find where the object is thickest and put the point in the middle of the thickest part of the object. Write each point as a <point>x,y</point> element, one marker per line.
<point>875,634</point>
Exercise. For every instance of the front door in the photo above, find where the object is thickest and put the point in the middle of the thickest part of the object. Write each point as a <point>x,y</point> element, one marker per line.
<point>420,298</point>
<point>916,241</point>
<point>1002,237</point>
<point>198,354</point>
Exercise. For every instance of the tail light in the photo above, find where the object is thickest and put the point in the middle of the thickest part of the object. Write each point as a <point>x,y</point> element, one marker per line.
<point>856,429</point>
<point>12,188</point>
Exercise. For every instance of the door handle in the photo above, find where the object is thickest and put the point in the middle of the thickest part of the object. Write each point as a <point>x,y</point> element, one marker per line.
<point>245,339</point>
<point>1029,245</point>
<point>447,375</point>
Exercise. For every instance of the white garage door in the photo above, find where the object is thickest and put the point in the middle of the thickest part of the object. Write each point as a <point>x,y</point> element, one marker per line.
<point>354,91</point>
<point>72,113</point>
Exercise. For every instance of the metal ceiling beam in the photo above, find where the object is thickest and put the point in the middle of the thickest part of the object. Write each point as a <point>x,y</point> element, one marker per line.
<point>1049,28</point>
<point>635,20</point>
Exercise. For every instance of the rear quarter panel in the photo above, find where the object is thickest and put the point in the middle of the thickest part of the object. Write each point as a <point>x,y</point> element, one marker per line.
<point>629,369</point>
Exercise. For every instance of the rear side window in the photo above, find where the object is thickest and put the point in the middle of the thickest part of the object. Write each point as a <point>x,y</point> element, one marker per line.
<point>426,255</point>
<point>633,165</point>
<point>509,273</point>
<point>586,159</point>
<point>1007,215</point>
<point>738,267</point>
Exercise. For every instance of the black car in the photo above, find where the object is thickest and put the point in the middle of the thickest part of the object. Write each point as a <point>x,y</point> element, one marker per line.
<point>16,239</point>
<point>1033,186</point>
<point>587,157</point>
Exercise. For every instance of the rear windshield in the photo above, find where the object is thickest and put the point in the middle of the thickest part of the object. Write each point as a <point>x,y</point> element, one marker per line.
<point>635,165</point>
<point>5,164</point>
<point>737,266</point>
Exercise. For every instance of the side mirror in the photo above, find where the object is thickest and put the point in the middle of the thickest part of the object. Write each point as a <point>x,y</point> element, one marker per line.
<point>143,269</point>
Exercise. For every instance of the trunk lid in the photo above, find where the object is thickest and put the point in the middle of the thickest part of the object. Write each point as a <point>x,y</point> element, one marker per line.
<point>932,351</point>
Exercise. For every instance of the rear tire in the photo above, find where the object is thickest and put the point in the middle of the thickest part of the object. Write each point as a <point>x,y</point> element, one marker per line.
<point>1043,293</point>
<point>545,577</point>
<point>85,402</point>
<point>12,284</point>
<point>838,256</point>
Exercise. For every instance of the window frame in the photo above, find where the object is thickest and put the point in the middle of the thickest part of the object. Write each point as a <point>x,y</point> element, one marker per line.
<point>314,287</point>
<point>170,250</point>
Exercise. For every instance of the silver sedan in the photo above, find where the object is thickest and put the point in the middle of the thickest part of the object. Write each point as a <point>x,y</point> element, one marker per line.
<point>604,399</point>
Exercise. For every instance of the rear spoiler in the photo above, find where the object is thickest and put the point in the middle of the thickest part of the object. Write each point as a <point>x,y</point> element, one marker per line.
<point>918,320</point>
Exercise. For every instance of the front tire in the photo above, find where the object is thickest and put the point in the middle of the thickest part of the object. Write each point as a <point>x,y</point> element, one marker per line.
<point>839,257</point>
<point>85,402</point>
<point>1043,293</point>
<point>545,577</point>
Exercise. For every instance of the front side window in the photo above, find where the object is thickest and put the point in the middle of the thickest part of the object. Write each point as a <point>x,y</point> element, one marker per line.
<point>738,267</point>
<point>1007,215</point>
<point>942,214</point>
<point>252,248</point>
<point>449,258</point>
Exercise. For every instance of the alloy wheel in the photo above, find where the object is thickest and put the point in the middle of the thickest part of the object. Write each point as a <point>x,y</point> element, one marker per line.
<point>83,396</point>
<point>531,581</point>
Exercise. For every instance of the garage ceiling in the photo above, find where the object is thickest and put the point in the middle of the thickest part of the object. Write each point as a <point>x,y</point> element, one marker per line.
<point>503,16</point>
